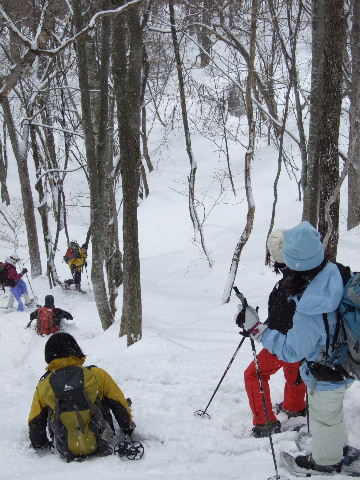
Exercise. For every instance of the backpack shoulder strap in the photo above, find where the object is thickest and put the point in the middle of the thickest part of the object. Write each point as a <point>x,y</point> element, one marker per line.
<point>326,325</point>
<point>339,325</point>
<point>46,374</point>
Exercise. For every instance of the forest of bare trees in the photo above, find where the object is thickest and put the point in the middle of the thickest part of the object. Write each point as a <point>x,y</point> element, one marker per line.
<point>83,82</point>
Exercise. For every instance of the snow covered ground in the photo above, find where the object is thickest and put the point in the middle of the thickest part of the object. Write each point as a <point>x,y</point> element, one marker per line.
<point>188,337</point>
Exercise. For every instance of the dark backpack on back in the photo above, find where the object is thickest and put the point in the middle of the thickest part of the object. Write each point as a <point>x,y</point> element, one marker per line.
<point>72,252</point>
<point>77,422</point>
<point>341,359</point>
<point>4,275</point>
<point>45,322</point>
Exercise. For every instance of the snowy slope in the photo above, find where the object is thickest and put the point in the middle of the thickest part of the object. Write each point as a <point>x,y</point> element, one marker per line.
<point>188,337</point>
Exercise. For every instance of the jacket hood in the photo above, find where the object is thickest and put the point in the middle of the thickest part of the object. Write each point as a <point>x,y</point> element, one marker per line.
<point>64,362</point>
<point>324,292</point>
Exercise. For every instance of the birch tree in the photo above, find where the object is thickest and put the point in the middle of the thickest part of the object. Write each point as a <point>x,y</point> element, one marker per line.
<point>198,228</point>
<point>248,157</point>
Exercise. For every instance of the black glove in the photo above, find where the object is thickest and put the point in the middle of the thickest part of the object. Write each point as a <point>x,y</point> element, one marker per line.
<point>69,317</point>
<point>240,316</point>
<point>128,430</point>
<point>46,446</point>
<point>23,271</point>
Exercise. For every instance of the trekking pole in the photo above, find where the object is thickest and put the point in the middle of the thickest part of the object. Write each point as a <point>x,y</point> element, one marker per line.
<point>202,413</point>
<point>307,411</point>
<point>87,276</point>
<point>262,392</point>
<point>27,277</point>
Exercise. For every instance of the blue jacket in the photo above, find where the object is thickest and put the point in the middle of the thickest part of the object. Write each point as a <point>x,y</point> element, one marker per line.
<point>307,338</point>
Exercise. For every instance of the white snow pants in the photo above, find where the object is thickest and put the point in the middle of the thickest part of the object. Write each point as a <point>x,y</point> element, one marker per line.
<point>327,425</point>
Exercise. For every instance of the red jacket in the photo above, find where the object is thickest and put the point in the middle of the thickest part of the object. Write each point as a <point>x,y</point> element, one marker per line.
<point>12,275</point>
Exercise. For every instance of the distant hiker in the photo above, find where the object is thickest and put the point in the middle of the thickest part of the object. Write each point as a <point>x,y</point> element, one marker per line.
<point>75,403</point>
<point>48,317</point>
<point>316,286</point>
<point>75,257</point>
<point>280,315</point>
<point>14,280</point>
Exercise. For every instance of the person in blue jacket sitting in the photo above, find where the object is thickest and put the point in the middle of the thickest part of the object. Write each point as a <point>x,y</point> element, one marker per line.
<point>317,288</point>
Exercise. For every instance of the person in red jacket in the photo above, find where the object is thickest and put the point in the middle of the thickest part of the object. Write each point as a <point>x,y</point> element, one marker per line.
<point>280,314</point>
<point>17,285</point>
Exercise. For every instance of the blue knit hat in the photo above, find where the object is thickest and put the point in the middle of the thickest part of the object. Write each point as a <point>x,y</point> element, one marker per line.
<point>302,249</point>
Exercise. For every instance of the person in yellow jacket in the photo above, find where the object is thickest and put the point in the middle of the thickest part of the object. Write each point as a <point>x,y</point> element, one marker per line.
<point>76,404</point>
<point>75,257</point>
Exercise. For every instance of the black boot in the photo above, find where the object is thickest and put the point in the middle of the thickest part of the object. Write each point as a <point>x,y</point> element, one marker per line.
<point>279,408</point>
<point>260,431</point>
<point>307,464</point>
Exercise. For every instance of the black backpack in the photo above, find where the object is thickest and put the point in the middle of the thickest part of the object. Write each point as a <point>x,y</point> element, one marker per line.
<point>4,280</point>
<point>72,252</point>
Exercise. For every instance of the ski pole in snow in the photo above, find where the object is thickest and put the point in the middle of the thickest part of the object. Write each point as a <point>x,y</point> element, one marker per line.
<point>261,388</point>
<point>202,413</point>
<point>27,277</point>
<point>87,276</point>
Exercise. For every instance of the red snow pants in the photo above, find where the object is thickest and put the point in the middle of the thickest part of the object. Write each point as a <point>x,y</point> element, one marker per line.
<point>294,395</point>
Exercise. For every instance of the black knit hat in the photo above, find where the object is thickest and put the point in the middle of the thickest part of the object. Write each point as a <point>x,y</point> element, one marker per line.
<point>62,345</point>
<point>49,301</point>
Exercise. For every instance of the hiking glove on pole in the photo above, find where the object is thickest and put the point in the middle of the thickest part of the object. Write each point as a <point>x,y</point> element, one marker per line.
<point>249,321</point>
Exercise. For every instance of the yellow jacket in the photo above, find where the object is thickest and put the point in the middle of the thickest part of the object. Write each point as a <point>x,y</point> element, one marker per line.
<point>44,401</point>
<point>78,263</point>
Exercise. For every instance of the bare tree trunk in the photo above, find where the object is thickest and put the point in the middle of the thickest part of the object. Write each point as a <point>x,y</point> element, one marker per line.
<point>20,148</point>
<point>113,257</point>
<point>204,35</point>
<point>96,177</point>
<point>43,210</point>
<point>3,174</point>
<point>290,63</point>
<point>144,138</point>
<point>328,151</point>
<point>127,61</point>
<point>311,193</point>
<point>276,181</point>
<point>198,228</point>
<point>248,158</point>
<point>354,138</point>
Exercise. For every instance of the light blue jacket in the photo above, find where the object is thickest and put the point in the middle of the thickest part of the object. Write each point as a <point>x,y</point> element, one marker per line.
<point>307,338</point>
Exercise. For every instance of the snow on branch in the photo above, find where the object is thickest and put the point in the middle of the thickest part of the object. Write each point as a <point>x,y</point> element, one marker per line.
<point>59,129</point>
<point>274,120</point>
<point>33,44</point>
<point>59,170</point>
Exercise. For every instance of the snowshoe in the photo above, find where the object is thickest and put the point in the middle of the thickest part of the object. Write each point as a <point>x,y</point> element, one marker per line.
<point>278,408</point>
<point>304,466</point>
<point>303,441</point>
<point>129,449</point>
<point>32,303</point>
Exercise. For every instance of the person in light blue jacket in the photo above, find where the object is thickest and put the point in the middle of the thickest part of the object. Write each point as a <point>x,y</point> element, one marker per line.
<point>317,287</point>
